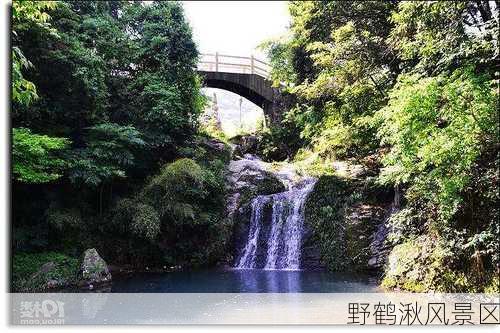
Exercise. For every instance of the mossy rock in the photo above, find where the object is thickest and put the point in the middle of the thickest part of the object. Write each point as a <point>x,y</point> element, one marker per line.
<point>269,185</point>
<point>93,269</point>
<point>420,265</point>
<point>341,221</point>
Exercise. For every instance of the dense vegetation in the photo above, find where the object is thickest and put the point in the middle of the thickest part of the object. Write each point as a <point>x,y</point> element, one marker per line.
<point>107,151</point>
<point>105,100</point>
<point>412,88</point>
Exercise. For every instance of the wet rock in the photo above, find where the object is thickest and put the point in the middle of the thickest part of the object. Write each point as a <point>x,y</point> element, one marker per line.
<point>247,178</point>
<point>379,247</point>
<point>93,269</point>
<point>246,144</point>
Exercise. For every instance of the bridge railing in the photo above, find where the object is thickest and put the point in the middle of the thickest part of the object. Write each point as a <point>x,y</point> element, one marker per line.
<point>216,62</point>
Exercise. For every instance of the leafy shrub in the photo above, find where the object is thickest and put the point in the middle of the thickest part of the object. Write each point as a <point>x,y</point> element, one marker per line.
<point>177,217</point>
<point>136,218</point>
<point>64,220</point>
<point>34,156</point>
<point>145,222</point>
<point>177,190</point>
<point>403,224</point>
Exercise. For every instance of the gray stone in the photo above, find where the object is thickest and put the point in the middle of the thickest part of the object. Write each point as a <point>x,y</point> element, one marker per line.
<point>93,269</point>
<point>247,178</point>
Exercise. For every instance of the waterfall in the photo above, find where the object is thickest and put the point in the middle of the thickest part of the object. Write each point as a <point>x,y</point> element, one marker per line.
<point>279,239</point>
<point>247,260</point>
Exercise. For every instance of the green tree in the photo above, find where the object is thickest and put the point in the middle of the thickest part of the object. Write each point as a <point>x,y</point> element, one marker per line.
<point>108,153</point>
<point>436,128</point>
<point>434,36</point>
<point>165,88</point>
<point>339,64</point>
<point>34,156</point>
<point>24,14</point>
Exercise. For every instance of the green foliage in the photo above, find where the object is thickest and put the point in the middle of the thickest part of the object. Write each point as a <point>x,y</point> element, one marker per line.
<point>109,151</point>
<point>34,156</point>
<point>146,222</point>
<point>177,218</point>
<point>494,286</point>
<point>280,53</point>
<point>26,265</point>
<point>167,98</point>
<point>411,84</point>
<point>278,142</point>
<point>23,91</point>
<point>124,63</point>
<point>178,191</point>
<point>432,36</point>
<point>136,218</point>
<point>24,14</point>
<point>324,213</point>
<point>312,164</point>
<point>211,129</point>
<point>403,223</point>
<point>65,220</point>
<point>119,80</point>
<point>423,264</point>
<point>113,86</point>
<point>338,64</point>
<point>341,213</point>
<point>435,127</point>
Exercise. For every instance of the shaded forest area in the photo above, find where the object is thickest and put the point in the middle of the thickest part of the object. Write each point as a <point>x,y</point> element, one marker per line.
<point>106,150</point>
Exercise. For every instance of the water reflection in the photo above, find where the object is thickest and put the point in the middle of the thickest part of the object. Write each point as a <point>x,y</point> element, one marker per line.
<point>244,281</point>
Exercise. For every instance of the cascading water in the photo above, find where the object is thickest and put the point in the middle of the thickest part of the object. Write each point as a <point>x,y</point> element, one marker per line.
<point>247,260</point>
<point>283,239</point>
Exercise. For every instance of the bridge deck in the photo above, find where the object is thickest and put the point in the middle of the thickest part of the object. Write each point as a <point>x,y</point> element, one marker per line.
<point>233,64</point>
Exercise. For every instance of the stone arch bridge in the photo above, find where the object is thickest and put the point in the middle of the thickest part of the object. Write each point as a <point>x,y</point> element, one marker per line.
<point>245,76</point>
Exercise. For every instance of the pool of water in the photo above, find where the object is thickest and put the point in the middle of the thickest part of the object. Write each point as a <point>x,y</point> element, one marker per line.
<point>244,281</point>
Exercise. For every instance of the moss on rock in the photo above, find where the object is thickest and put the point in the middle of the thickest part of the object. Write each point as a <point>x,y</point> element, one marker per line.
<point>342,219</point>
<point>422,264</point>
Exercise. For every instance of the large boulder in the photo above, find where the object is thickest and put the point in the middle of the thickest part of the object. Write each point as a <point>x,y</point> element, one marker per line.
<point>248,178</point>
<point>93,269</point>
<point>343,224</point>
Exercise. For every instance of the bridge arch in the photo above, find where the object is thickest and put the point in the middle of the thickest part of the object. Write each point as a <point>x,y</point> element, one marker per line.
<point>251,87</point>
<point>245,76</point>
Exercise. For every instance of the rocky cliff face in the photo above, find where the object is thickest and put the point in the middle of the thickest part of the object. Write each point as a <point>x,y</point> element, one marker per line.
<point>346,215</point>
<point>344,225</point>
